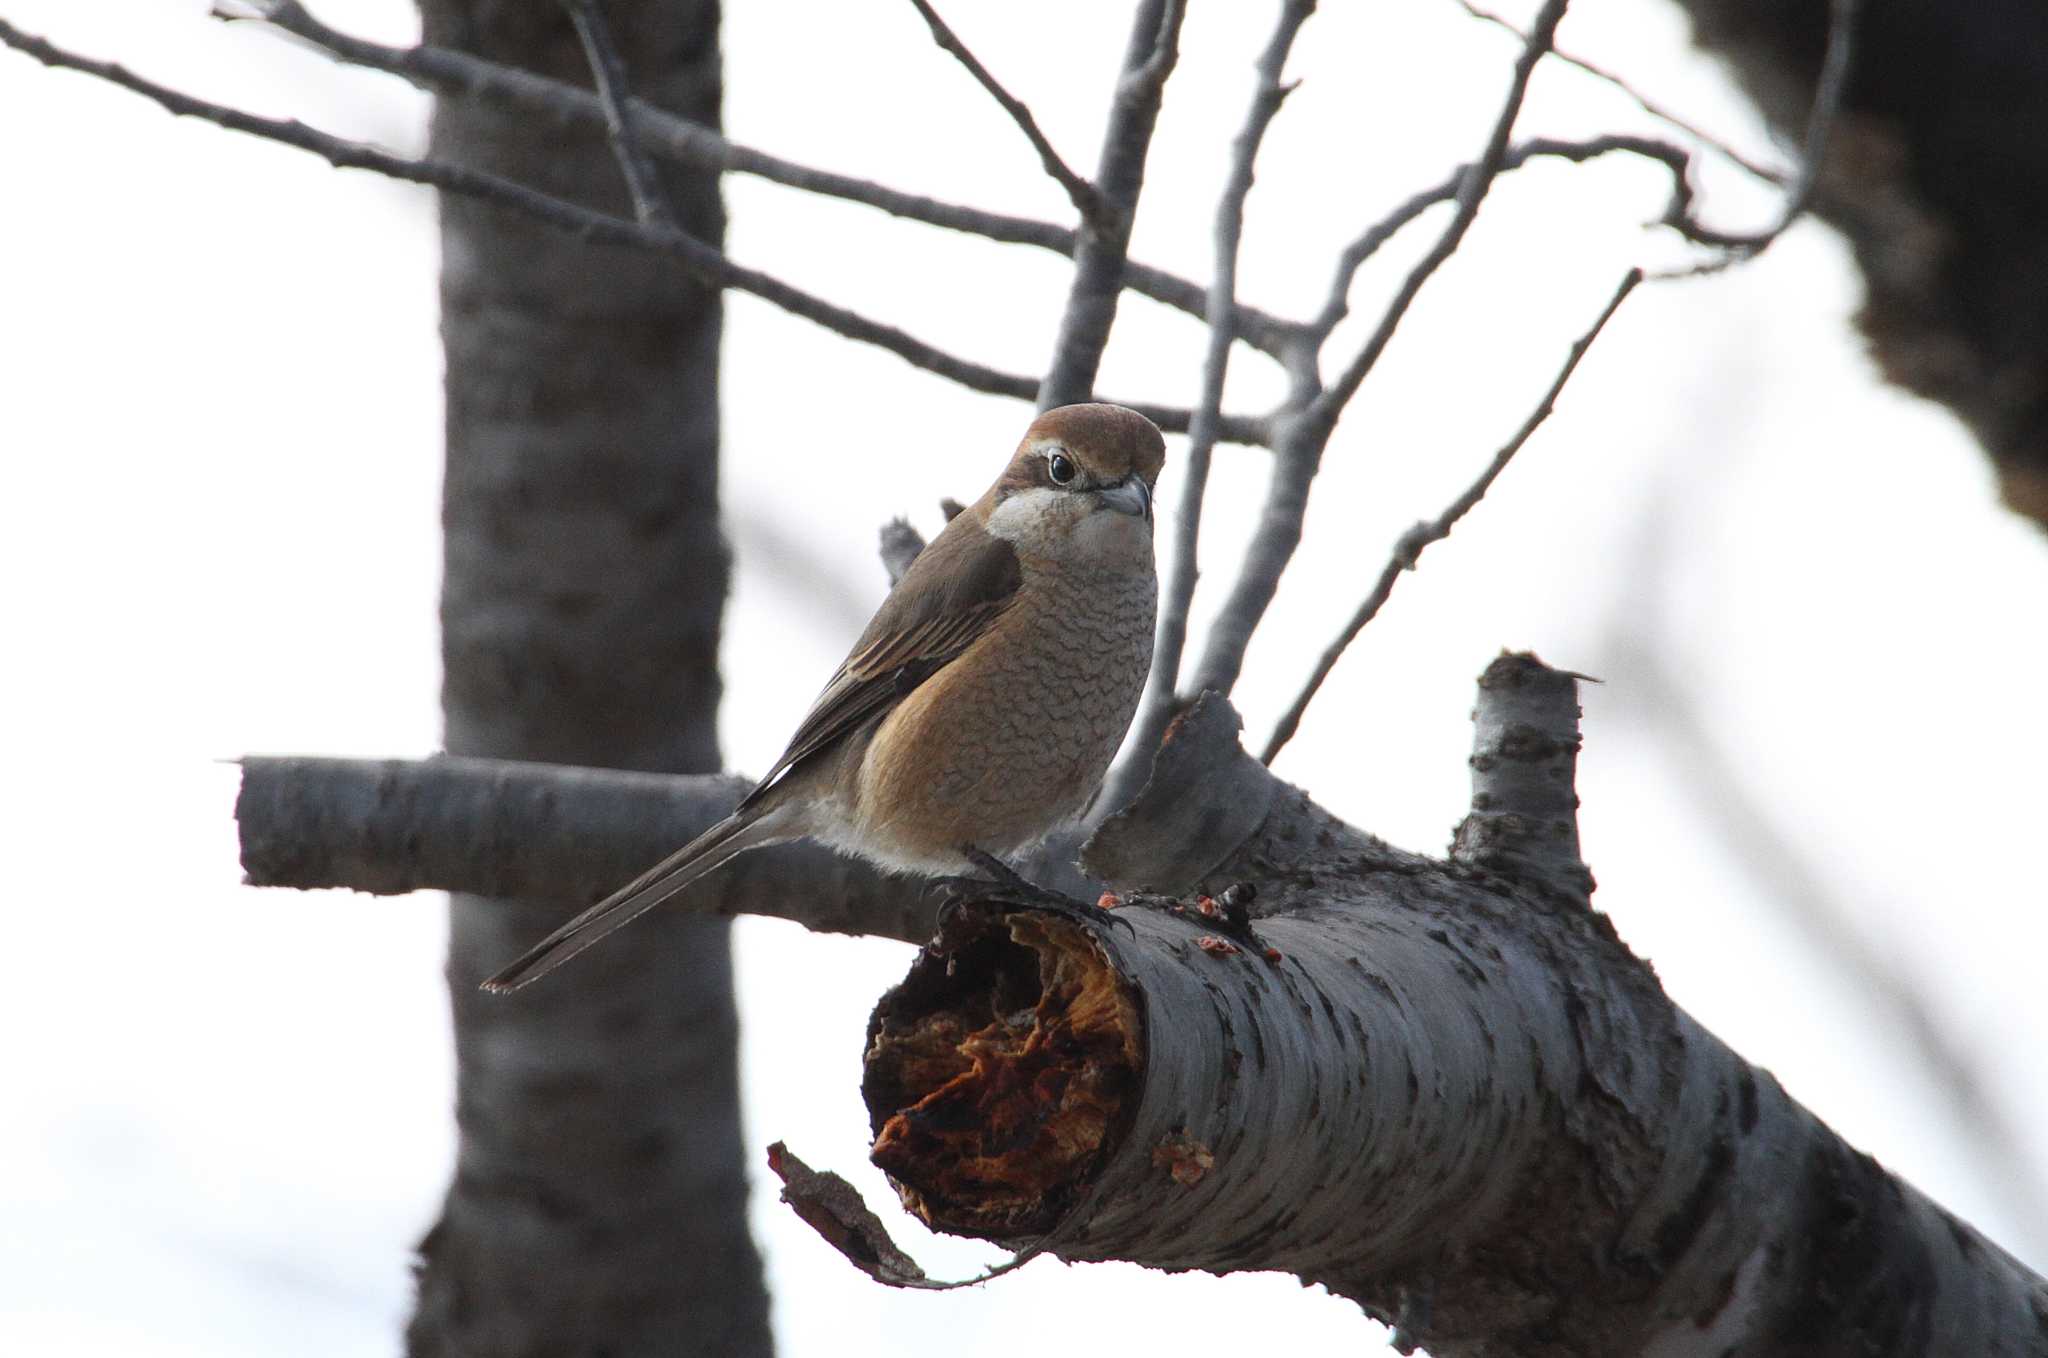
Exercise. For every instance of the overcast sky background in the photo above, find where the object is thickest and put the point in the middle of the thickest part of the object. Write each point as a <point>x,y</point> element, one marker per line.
<point>228,1111</point>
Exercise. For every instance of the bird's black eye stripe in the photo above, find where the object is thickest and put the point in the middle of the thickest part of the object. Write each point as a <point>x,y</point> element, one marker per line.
<point>1060,468</point>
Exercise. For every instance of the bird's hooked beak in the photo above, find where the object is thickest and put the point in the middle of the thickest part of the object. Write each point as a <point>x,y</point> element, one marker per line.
<point>1129,496</point>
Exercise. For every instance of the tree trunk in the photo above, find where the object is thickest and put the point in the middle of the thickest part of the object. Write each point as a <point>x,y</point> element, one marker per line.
<point>599,1200</point>
<point>1937,173</point>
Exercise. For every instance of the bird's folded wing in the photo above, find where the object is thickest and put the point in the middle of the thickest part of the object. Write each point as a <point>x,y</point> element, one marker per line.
<point>951,595</point>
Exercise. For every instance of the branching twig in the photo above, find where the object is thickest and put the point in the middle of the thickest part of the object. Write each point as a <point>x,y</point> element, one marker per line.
<point>1827,103</point>
<point>1300,439</point>
<point>1179,587</point>
<point>1409,549</point>
<point>1079,191</point>
<point>1119,178</point>
<point>1472,191</point>
<point>706,262</point>
<point>608,72</point>
<point>446,71</point>
<point>1677,212</point>
<point>1642,101</point>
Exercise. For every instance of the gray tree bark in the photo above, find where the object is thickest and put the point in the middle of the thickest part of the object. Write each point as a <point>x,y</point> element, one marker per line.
<point>599,1201</point>
<point>1938,176</point>
<point>1442,1088</point>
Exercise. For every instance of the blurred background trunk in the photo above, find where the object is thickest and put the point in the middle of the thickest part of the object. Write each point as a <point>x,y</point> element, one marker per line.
<point>599,1203</point>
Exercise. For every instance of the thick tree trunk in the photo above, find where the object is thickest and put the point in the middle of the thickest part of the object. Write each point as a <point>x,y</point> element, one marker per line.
<point>599,1200</point>
<point>1938,175</point>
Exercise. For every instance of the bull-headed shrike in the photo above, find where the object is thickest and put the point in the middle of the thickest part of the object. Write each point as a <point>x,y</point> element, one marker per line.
<point>985,700</point>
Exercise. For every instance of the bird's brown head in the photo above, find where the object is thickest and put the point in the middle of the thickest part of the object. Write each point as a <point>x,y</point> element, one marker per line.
<point>1073,463</point>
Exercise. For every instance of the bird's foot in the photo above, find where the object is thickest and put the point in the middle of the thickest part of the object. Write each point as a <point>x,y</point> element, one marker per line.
<point>1005,886</point>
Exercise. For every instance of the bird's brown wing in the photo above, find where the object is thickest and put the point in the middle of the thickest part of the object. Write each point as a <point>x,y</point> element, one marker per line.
<point>953,592</point>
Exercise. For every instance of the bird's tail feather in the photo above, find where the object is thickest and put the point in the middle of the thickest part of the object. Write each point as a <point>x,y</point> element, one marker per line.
<point>713,849</point>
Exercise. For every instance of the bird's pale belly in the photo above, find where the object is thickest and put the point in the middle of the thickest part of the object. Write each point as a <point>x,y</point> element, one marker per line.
<point>1011,738</point>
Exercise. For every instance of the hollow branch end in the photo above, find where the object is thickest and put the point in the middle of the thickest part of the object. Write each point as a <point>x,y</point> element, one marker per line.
<point>998,1073</point>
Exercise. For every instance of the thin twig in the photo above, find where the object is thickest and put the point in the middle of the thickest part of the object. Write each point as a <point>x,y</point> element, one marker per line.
<point>446,71</point>
<point>707,263</point>
<point>608,72</point>
<point>1768,174</point>
<point>1410,548</point>
<point>1827,104</point>
<point>1300,438</point>
<point>1079,191</point>
<point>1099,250</point>
<point>1677,213</point>
<point>1156,708</point>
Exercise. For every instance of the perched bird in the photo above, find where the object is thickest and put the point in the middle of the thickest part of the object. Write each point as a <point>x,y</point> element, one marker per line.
<point>983,703</point>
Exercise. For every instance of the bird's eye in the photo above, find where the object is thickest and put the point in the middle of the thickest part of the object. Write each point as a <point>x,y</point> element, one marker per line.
<point>1060,468</point>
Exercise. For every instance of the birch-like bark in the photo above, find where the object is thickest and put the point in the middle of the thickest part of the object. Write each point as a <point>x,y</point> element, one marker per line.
<point>1445,1090</point>
<point>599,1199</point>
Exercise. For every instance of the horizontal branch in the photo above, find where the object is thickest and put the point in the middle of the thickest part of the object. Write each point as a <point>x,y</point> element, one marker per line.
<point>504,828</point>
<point>441,70</point>
<point>705,262</point>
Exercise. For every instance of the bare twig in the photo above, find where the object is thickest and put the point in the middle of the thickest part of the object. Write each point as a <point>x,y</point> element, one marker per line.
<point>1079,191</point>
<point>1300,438</point>
<point>707,263</point>
<point>608,72</point>
<point>1827,103</point>
<point>1472,192</point>
<point>1677,212</point>
<point>1767,173</point>
<point>446,71</point>
<point>1410,548</point>
<point>1156,708</point>
<point>1119,178</point>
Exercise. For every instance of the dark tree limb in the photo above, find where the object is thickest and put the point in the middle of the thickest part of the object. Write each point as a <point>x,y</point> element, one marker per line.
<point>1936,180</point>
<point>1413,542</point>
<point>1078,190</point>
<point>1099,250</point>
<point>500,827</point>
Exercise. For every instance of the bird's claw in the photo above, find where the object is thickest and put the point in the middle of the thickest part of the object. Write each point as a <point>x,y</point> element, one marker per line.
<point>1005,886</point>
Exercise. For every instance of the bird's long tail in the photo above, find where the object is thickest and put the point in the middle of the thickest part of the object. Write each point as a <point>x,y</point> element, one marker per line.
<point>711,850</point>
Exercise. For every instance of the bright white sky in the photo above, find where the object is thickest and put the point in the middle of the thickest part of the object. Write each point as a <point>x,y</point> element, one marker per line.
<point>228,1111</point>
